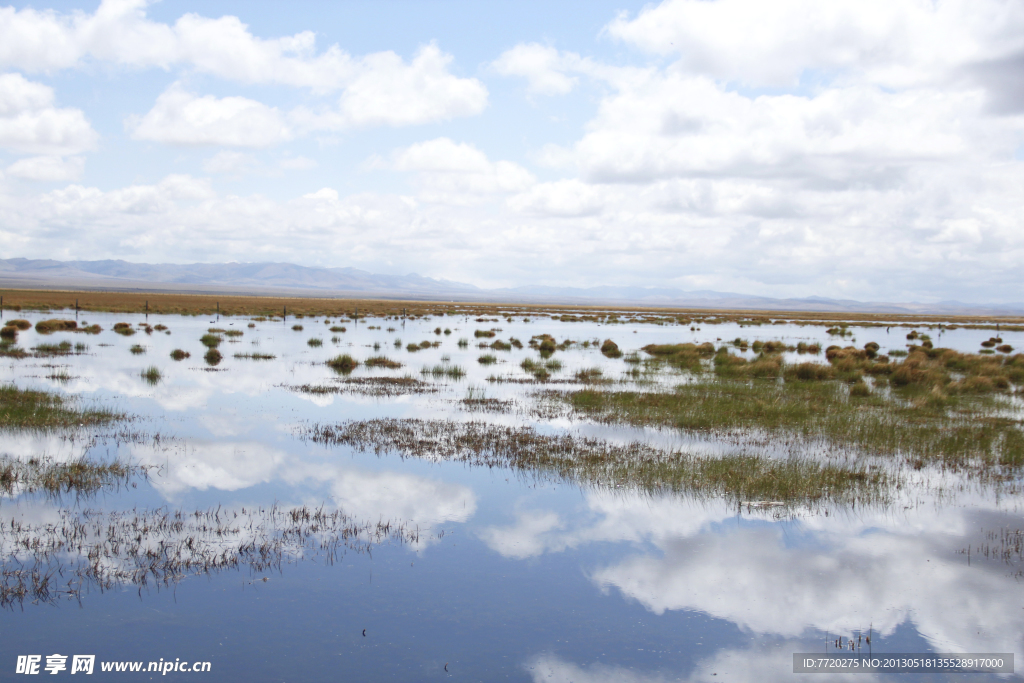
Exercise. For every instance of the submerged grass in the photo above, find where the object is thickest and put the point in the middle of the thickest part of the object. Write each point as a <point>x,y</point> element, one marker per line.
<point>81,476</point>
<point>63,558</point>
<point>369,386</point>
<point>589,461</point>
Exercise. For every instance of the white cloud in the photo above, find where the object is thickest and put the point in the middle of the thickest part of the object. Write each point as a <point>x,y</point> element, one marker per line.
<point>560,198</point>
<point>389,92</point>
<point>682,126</point>
<point>182,118</point>
<point>30,123</point>
<point>120,32</point>
<point>385,90</point>
<point>549,71</point>
<point>896,43</point>
<point>376,89</point>
<point>541,65</point>
<point>48,168</point>
<point>441,154</point>
<point>451,172</point>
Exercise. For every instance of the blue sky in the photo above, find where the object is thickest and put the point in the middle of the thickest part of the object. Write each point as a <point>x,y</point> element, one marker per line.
<point>865,150</point>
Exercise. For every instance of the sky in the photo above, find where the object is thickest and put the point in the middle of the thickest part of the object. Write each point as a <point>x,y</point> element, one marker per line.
<point>862,149</point>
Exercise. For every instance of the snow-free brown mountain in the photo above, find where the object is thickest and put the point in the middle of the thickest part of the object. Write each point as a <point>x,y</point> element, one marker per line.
<point>292,279</point>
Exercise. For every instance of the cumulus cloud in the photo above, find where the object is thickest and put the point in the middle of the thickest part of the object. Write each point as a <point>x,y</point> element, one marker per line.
<point>385,90</point>
<point>48,168</point>
<point>770,139</point>
<point>549,71</point>
<point>895,43</point>
<point>681,126</point>
<point>376,89</point>
<point>453,172</point>
<point>30,123</point>
<point>182,118</point>
<point>541,65</point>
<point>119,31</point>
<point>560,198</point>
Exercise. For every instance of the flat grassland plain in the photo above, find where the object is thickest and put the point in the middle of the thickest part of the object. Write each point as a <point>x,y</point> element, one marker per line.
<point>299,488</point>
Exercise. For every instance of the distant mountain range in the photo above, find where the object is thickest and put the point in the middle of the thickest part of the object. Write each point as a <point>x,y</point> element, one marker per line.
<point>293,280</point>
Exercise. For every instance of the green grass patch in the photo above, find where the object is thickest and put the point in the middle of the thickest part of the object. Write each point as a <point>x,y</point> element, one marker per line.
<point>32,409</point>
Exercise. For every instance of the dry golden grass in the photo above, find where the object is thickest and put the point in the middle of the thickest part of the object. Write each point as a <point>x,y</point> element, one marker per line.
<point>236,305</point>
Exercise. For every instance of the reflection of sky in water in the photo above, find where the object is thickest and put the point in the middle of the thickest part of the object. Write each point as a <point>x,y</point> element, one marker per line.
<point>530,580</point>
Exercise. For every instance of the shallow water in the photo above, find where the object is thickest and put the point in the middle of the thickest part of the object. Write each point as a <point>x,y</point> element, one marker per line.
<point>496,576</point>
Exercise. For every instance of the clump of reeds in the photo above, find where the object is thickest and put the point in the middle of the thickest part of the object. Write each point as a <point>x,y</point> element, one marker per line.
<point>343,363</point>
<point>18,324</point>
<point>449,371</point>
<point>124,329</point>
<point>50,326</point>
<point>610,349</point>
<point>809,372</point>
<point>178,354</point>
<point>297,328</point>
<point>160,327</point>
<point>315,342</point>
<point>382,362</point>
<point>483,333</point>
<point>137,349</point>
<point>487,359</point>
<point>64,348</point>
<point>536,369</point>
<point>860,389</point>
<point>152,374</point>
<point>255,356</point>
<point>9,333</point>
<point>60,374</point>
<point>213,357</point>
<point>338,328</point>
<point>211,341</point>
<point>589,375</point>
